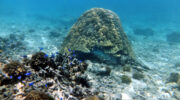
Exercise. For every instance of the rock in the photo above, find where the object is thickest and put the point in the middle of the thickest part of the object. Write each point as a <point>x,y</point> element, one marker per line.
<point>104,71</point>
<point>174,77</point>
<point>101,70</point>
<point>116,97</point>
<point>125,96</point>
<point>176,95</point>
<point>31,30</point>
<point>173,37</point>
<point>99,30</point>
<point>54,34</point>
<point>144,32</point>
<point>177,64</point>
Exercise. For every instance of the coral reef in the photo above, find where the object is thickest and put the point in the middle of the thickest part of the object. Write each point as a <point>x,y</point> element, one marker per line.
<point>144,32</point>
<point>64,70</point>
<point>126,79</point>
<point>173,37</point>
<point>98,29</point>
<point>39,59</point>
<point>14,68</point>
<point>37,95</point>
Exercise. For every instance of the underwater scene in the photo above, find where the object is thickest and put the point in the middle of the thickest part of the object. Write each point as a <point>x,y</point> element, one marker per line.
<point>89,50</point>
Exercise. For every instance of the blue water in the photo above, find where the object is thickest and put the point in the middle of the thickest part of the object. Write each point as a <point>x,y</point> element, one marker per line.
<point>148,13</point>
<point>151,9</point>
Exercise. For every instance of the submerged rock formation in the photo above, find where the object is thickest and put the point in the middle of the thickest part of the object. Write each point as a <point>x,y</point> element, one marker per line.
<point>173,37</point>
<point>98,32</point>
<point>144,32</point>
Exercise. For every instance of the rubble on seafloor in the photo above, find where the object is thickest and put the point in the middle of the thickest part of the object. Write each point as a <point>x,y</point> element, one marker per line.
<point>57,76</point>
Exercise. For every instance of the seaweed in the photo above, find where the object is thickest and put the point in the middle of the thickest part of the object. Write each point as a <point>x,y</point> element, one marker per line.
<point>127,68</point>
<point>126,79</point>
<point>138,75</point>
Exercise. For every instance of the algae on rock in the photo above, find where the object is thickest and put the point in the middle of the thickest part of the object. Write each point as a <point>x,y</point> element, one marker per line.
<point>100,29</point>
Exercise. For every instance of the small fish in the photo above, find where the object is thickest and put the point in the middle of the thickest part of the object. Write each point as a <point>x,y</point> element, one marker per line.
<point>24,82</point>
<point>10,77</point>
<point>57,52</point>
<point>46,55</point>
<point>73,51</point>
<point>28,74</point>
<point>65,54</point>
<point>31,84</point>
<point>69,50</point>
<point>19,77</point>
<point>70,57</point>
<point>52,56</point>
<point>40,48</point>
<point>74,55</point>
<point>25,56</point>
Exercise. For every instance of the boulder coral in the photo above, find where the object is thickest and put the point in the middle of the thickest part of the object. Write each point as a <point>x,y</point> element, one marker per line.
<point>37,95</point>
<point>14,68</point>
<point>98,29</point>
<point>38,60</point>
